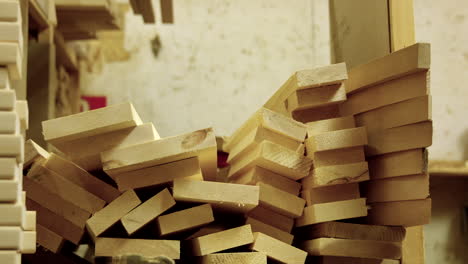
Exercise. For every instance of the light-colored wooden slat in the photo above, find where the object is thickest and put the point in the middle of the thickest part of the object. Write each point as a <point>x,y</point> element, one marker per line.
<point>12,213</point>
<point>336,174</point>
<point>208,229</point>
<point>33,152</point>
<point>417,212</point>
<point>7,100</point>
<point>401,16</point>
<point>327,125</point>
<point>316,97</point>
<point>339,139</point>
<point>49,239</point>
<point>258,226</point>
<point>224,196</point>
<point>4,78</point>
<point>332,193</point>
<point>9,11</point>
<point>147,212</point>
<point>413,246</point>
<point>9,123</point>
<point>269,217</point>
<point>10,190</point>
<point>11,237</point>
<point>23,114</point>
<point>280,201</point>
<point>401,163</point>
<point>9,169</point>
<point>316,114</point>
<point>223,240</point>
<point>325,212</point>
<point>410,187</point>
<point>339,156</point>
<point>10,257</point>
<point>11,31</point>
<point>277,250</point>
<point>241,258</point>
<point>351,260</point>
<point>12,146</point>
<point>29,221</point>
<point>28,242</point>
<point>10,56</point>
<point>185,220</point>
<point>109,247</point>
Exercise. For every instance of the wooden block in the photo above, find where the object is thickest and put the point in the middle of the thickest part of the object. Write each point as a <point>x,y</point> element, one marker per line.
<point>112,213</point>
<point>29,222</point>
<point>11,237</point>
<point>166,173</point>
<point>9,123</point>
<point>396,139</point>
<point>185,220</point>
<point>408,162</point>
<point>417,212</point>
<point>258,226</point>
<point>223,196</point>
<point>337,174</point>
<point>277,250</point>
<point>411,187</point>
<point>7,100</point>
<point>9,190</point>
<point>352,248</point>
<point>12,146</point>
<point>12,214</point>
<point>413,59</point>
<point>33,152</point>
<point>90,158</point>
<point>4,78</point>
<point>65,189</point>
<point>9,10</point>
<point>272,218</point>
<point>90,123</point>
<point>56,204</point>
<point>208,229</point>
<point>327,125</point>
<point>28,242</point>
<point>413,246</point>
<point>23,113</point>
<point>258,174</point>
<point>147,212</point>
<point>231,238</point>
<point>351,260</point>
<point>339,139</point>
<point>49,239</point>
<point>11,32</point>
<point>80,177</point>
<point>241,258</point>
<point>10,56</point>
<point>332,193</point>
<point>325,212</point>
<point>280,201</point>
<point>316,97</point>
<point>275,158</point>
<point>338,157</point>
<point>354,231</point>
<point>56,223</point>
<point>9,169</point>
<point>316,114</point>
<point>201,144</point>
<point>10,256</point>
<point>399,90</point>
<point>411,111</point>
<point>109,247</point>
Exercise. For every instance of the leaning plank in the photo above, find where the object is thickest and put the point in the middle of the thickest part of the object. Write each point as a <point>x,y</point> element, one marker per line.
<point>412,59</point>
<point>411,187</point>
<point>277,250</point>
<point>339,139</point>
<point>351,260</point>
<point>401,163</point>
<point>112,213</point>
<point>325,212</point>
<point>109,247</point>
<point>413,246</point>
<point>271,218</point>
<point>316,114</point>
<point>200,143</point>
<point>33,152</point>
<point>316,97</point>
<point>258,226</point>
<point>338,156</point>
<point>241,258</point>
<point>224,196</point>
<point>332,193</point>
<point>417,212</point>
<point>9,169</point>
<point>12,146</point>
<point>231,238</point>
<point>9,11</point>
<point>280,201</point>
<point>90,123</point>
<point>327,125</point>
<point>336,174</point>
<point>49,239</point>
<point>185,220</point>
<point>9,123</point>
<point>352,248</point>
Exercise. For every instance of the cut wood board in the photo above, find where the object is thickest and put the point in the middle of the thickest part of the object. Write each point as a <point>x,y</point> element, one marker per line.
<point>224,196</point>
<point>275,158</point>
<point>9,10</point>
<point>7,100</point>
<point>206,230</point>
<point>33,152</point>
<point>49,239</point>
<point>413,246</point>
<point>28,242</point>
<point>316,97</point>
<point>185,220</point>
<point>109,247</point>
<point>271,218</point>
<point>9,123</point>
<point>417,212</point>
<point>277,250</point>
<point>351,260</point>
<point>160,174</point>
<point>331,193</point>
<point>9,169</point>
<point>327,125</point>
<point>410,187</point>
<point>90,123</point>
<point>258,226</point>
<point>10,190</point>
<point>339,139</point>
<point>338,156</point>
<point>112,213</point>
<point>316,114</point>
<point>231,238</point>
<point>4,78</point>
<point>401,163</point>
<point>23,114</point>
<point>352,248</point>
<point>10,257</point>
<point>336,174</point>
<point>12,146</point>
<point>29,223</point>
<point>396,139</point>
<point>11,31</point>
<point>200,143</point>
<point>11,237</point>
<point>10,56</point>
<point>12,214</point>
<point>280,201</point>
<point>325,212</point>
<point>412,59</point>
<point>147,212</point>
<point>240,258</point>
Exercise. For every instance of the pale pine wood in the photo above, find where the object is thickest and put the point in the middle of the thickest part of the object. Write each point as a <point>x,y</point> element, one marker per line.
<point>9,10</point>
<point>224,196</point>
<point>327,125</point>
<point>29,222</point>
<point>417,212</point>
<point>316,97</point>
<point>413,246</point>
<point>12,213</point>
<point>325,212</point>
<point>9,169</point>
<point>4,78</point>
<point>10,55</point>
<point>339,156</point>
<point>185,220</point>
<point>258,226</point>
<point>352,248</point>
<point>316,114</point>
<point>23,114</point>
<point>454,168</point>
<point>109,247</point>
<point>351,260</point>
<point>12,146</point>
<point>223,240</point>
<point>49,239</point>
<point>10,190</point>
<point>11,31</point>
<point>147,212</point>
<point>402,27</point>
<point>280,201</point>
<point>206,230</point>
<point>239,258</point>
<point>9,123</point>
<point>112,213</point>
<point>332,193</point>
<point>272,218</point>
<point>33,152</point>
<point>10,257</point>
<point>410,187</point>
<point>336,174</point>
<point>401,163</point>
<point>11,237</point>
<point>339,139</point>
<point>28,242</point>
<point>277,250</point>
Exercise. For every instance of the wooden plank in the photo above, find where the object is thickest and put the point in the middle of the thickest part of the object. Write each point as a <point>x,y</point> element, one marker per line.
<point>413,246</point>
<point>23,113</point>
<point>231,238</point>
<point>258,174</point>
<point>258,226</point>
<point>223,196</point>
<point>327,125</point>
<point>11,237</point>
<point>401,163</point>
<point>280,201</point>
<point>208,229</point>
<point>351,260</point>
<point>277,250</point>
<point>9,11</point>
<point>11,31</point>
<point>411,187</point>
<point>9,123</point>
<point>28,242</point>
<point>147,212</point>
<point>228,258</point>
<point>352,248</point>
<point>112,213</point>
<point>332,193</point>
<point>9,169</point>
<point>10,257</point>
<point>402,28</point>
<point>396,139</point>
<point>29,222</point>
<point>49,239</point>
<point>338,156</point>
<point>4,78</point>
<point>12,214</point>
<point>413,59</point>
<point>90,123</point>
<point>339,139</point>
<point>10,56</point>
<point>80,177</point>
<point>166,173</point>
<point>275,158</point>
<point>33,152</point>
<point>336,174</point>
<point>10,190</point>
<point>7,100</point>
<point>185,220</point>
<point>109,247</point>
<point>325,212</point>
<point>82,5</point>
<point>451,168</point>
<point>12,146</point>
<point>316,114</point>
<point>200,143</point>
<point>272,218</point>
<point>316,97</point>
<point>417,212</point>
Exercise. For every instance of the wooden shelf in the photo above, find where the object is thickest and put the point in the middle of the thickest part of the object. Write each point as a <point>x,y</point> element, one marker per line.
<point>448,168</point>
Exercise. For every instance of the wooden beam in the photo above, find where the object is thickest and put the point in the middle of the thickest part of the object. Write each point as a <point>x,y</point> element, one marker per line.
<point>231,238</point>
<point>411,187</point>
<point>332,193</point>
<point>280,201</point>
<point>272,218</point>
<point>339,139</point>
<point>185,220</point>
<point>336,174</point>
<point>401,163</point>
<point>328,125</point>
<point>277,250</point>
<point>227,258</point>
<point>417,212</point>
<point>401,15</point>
<point>258,226</point>
<point>109,247</point>
<point>338,156</point>
<point>316,97</point>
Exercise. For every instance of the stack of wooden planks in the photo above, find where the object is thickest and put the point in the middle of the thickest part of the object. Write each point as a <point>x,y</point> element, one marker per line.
<point>11,38</point>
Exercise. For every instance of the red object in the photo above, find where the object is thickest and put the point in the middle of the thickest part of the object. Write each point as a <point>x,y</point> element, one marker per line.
<point>92,102</point>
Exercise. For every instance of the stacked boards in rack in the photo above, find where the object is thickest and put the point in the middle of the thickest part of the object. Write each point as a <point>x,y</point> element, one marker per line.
<point>11,40</point>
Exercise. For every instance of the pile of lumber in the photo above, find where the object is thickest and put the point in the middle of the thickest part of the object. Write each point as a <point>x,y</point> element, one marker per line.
<point>11,38</point>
